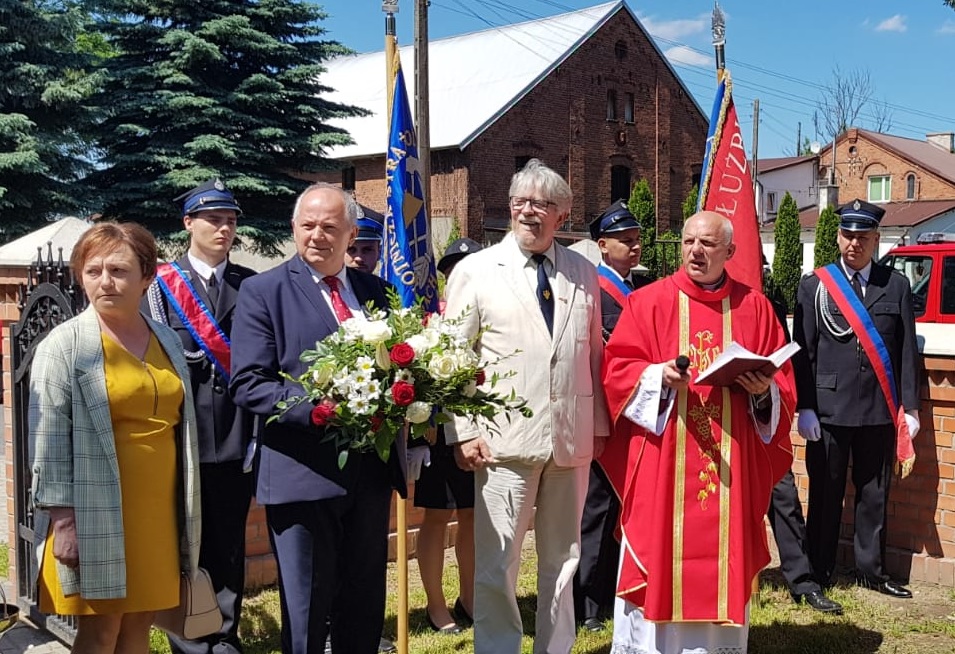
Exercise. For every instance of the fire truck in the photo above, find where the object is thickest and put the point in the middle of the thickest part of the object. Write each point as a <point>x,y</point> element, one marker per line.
<point>929,265</point>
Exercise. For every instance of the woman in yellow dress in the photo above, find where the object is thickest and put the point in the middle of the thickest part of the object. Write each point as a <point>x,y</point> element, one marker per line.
<point>115,474</point>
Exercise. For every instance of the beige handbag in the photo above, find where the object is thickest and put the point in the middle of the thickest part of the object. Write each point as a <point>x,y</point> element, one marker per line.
<point>198,612</point>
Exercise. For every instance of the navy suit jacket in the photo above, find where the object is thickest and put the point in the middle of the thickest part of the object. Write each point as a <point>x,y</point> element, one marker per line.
<point>279,314</point>
<point>224,431</point>
<point>834,377</point>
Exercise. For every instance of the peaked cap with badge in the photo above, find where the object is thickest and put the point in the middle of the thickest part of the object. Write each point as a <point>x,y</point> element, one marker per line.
<point>615,218</point>
<point>457,251</point>
<point>859,216</point>
<point>206,197</point>
<point>370,228</point>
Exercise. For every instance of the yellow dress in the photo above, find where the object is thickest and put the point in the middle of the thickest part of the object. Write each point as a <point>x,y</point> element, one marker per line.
<point>144,403</point>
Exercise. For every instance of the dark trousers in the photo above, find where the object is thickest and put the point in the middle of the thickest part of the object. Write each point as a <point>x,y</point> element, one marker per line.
<point>827,460</point>
<point>332,557</point>
<point>789,529</point>
<point>596,578</point>
<point>226,494</point>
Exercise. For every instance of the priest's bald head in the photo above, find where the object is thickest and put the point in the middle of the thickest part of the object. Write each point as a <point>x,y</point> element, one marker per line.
<point>707,245</point>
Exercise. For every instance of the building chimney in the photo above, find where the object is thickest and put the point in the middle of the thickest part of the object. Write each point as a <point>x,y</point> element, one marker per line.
<point>944,140</point>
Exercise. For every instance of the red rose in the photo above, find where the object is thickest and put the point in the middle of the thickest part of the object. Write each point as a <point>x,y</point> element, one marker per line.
<point>402,393</point>
<point>321,414</point>
<point>479,377</point>
<point>375,422</point>
<point>402,355</point>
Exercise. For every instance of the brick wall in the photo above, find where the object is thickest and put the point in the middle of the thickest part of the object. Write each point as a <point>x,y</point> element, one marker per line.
<point>563,121</point>
<point>868,159</point>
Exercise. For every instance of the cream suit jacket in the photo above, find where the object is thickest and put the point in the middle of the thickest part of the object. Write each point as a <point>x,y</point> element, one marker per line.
<point>559,376</point>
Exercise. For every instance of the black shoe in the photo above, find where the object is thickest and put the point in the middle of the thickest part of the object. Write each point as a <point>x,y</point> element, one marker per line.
<point>461,614</point>
<point>887,587</point>
<point>385,645</point>
<point>450,630</point>
<point>818,601</point>
<point>593,624</point>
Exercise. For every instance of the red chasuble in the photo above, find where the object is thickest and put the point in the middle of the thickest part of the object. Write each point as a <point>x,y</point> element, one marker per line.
<point>693,499</point>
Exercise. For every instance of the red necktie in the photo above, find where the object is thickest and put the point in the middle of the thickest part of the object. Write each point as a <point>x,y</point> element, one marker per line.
<point>342,312</point>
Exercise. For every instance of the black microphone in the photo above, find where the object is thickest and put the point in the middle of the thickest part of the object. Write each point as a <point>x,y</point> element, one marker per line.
<point>682,363</point>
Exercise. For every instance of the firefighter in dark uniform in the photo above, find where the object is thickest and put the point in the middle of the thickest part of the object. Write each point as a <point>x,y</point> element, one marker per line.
<point>843,412</point>
<point>617,234</point>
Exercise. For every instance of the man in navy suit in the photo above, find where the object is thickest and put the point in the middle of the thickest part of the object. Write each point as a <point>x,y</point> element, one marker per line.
<point>198,291</point>
<point>328,526</point>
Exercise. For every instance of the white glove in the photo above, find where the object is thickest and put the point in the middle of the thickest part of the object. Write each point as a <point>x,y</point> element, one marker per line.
<point>912,420</point>
<point>417,457</point>
<point>808,425</point>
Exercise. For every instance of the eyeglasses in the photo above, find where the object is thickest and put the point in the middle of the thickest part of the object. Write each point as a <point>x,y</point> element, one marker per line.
<point>537,205</point>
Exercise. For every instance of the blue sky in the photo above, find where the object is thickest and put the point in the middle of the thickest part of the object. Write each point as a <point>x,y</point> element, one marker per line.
<point>781,52</point>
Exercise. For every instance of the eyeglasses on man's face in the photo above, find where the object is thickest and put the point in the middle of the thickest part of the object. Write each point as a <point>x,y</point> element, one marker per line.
<point>537,205</point>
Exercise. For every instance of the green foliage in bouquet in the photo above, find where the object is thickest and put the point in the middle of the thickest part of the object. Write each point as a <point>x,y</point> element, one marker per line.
<point>372,377</point>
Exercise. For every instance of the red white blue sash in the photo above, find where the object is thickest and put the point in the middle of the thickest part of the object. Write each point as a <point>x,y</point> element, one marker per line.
<point>872,344</point>
<point>195,316</point>
<point>610,282</point>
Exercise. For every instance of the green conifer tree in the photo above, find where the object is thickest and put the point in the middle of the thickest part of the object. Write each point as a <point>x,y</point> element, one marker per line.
<point>224,88</point>
<point>642,206</point>
<point>826,249</point>
<point>44,82</point>
<point>787,262</point>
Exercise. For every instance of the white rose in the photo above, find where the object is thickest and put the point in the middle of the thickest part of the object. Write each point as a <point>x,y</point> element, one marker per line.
<point>431,337</point>
<point>418,343</point>
<point>442,366</point>
<point>466,358</point>
<point>418,412</point>
<point>375,331</point>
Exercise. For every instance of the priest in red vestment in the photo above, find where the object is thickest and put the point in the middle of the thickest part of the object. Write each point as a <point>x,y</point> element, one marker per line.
<point>702,460</point>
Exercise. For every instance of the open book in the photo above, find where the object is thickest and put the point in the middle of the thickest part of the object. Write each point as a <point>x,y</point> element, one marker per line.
<point>736,359</point>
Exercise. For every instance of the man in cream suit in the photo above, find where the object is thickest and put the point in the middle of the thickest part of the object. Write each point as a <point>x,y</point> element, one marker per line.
<point>532,295</point>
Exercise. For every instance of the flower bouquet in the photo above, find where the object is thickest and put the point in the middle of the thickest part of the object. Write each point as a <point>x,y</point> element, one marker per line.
<point>374,375</point>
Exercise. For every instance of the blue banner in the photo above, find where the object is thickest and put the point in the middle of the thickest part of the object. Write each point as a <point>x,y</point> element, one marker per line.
<point>407,261</point>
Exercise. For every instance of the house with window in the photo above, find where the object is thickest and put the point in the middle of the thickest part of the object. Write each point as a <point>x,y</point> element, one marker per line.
<point>587,92</point>
<point>912,179</point>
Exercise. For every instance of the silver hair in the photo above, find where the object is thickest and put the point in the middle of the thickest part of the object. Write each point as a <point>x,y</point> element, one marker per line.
<point>535,176</point>
<point>726,226</point>
<point>352,210</point>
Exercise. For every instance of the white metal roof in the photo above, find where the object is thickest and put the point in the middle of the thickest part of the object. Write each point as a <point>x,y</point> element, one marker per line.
<point>474,78</point>
<point>63,233</point>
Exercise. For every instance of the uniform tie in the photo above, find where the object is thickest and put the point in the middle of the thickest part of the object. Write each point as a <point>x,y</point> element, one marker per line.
<point>857,285</point>
<point>342,312</point>
<point>544,295</point>
<point>212,290</point>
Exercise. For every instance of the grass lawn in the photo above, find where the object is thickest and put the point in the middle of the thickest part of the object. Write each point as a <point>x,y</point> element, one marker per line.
<point>872,623</point>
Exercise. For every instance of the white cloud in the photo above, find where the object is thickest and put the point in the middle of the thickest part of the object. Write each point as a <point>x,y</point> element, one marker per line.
<point>894,24</point>
<point>675,30</point>
<point>948,27</point>
<point>687,56</point>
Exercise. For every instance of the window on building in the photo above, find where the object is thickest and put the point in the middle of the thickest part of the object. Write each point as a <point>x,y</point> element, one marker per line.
<point>348,178</point>
<point>771,202</point>
<point>619,183</point>
<point>880,188</point>
<point>520,162</point>
<point>620,50</point>
<point>611,104</point>
<point>628,108</point>
<point>910,186</point>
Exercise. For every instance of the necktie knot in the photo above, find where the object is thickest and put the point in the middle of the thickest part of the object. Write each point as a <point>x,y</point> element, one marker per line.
<point>857,284</point>
<point>342,312</point>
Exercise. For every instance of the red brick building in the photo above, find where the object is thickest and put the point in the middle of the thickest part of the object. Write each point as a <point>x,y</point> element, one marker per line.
<point>587,92</point>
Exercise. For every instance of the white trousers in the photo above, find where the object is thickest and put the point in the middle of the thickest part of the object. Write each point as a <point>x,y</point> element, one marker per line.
<point>504,503</point>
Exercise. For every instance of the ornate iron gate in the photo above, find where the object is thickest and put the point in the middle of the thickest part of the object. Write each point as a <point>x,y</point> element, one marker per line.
<point>50,296</point>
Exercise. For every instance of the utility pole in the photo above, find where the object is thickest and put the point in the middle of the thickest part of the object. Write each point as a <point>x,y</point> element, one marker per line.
<point>755,138</point>
<point>422,115</point>
<point>799,138</point>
